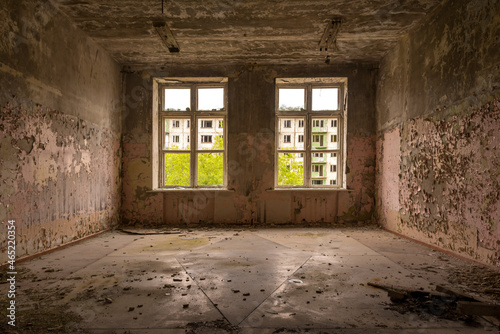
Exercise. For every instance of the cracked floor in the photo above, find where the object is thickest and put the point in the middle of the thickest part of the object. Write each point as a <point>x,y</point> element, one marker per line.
<point>289,280</point>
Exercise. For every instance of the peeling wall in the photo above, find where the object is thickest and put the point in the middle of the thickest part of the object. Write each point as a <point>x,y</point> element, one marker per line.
<point>60,147</point>
<point>250,153</point>
<point>438,128</point>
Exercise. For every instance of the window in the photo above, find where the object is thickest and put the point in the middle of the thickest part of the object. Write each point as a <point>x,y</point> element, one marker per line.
<point>206,139</point>
<point>312,112</point>
<point>206,124</point>
<point>183,102</point>
<point>318,123</point>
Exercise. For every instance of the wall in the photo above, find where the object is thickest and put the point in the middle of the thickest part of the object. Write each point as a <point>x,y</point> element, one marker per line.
<point>59,130</point>
<point>250,153</point>
<point>438,125</point>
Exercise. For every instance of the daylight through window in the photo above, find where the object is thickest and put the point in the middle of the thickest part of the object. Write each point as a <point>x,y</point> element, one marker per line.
<point>310,119</point>
<point>199,162</point>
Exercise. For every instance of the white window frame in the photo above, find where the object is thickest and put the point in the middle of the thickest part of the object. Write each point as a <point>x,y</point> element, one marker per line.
<point>341,121</point>
<point>192,116</point>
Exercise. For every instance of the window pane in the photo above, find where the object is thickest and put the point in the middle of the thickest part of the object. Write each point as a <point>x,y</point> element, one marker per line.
<point>324,133</point>
<point>176,134</point>
<point>331,171</point>
<point>291,99</point>
<point>211,99</point>
<point>290,169</point>
<point>325,99</point>
<point>210,133</point>
<point>177,169</point>
<point>210,169</point>
<point>291,133</point>
<point>177,99</point>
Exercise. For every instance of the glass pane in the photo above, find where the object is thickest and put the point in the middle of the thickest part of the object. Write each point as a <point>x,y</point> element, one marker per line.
<point>210,169</point>
<point>291,133</point>
<point>211,99</point>
<point>331,169</point>
<point>325,99</point>
<point>318,168</point>
<point>177,99</point>
<point>291,99</point>
<point>176,134</point>
<point>210,133</point>
<point>290,169</point>
<point>324,133</point>
<point>177,169</point>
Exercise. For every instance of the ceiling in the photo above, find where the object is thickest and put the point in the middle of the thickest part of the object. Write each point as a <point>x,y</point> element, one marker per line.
<point>240,31</point>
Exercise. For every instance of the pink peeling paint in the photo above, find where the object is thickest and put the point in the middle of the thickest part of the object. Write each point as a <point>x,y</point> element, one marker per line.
<point>449,187</point>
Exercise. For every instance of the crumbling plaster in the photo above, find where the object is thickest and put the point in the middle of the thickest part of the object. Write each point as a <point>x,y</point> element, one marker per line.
<point>251,199</point>
<point>60,145</point>
<point>438,128</point>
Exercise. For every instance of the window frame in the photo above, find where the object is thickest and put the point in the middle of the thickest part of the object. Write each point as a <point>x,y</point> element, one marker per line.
<point>308,114</point>
<point>193,116</point>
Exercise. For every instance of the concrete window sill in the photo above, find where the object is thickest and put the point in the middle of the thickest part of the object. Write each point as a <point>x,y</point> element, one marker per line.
<point>310,189</point>
<point>168,190</point>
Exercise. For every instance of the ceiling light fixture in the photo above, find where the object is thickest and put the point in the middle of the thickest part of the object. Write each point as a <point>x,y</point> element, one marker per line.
<point>166,36</point>
<point>329,39</point>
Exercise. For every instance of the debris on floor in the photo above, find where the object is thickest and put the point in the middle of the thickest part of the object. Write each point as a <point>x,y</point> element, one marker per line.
<point>445,303</point>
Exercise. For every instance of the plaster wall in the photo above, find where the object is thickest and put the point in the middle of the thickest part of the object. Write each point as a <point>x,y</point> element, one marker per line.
<point>438,125</point>
<point>59,130</point>
<point>251,94</point>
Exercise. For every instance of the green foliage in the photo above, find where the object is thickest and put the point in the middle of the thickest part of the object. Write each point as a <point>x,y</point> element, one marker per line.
<point>290,171</point>
<point>177,169</point>
<point>210,167</point>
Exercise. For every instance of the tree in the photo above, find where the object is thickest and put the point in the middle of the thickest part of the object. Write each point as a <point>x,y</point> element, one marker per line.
<point>290,170</point>
<point>210,167</point>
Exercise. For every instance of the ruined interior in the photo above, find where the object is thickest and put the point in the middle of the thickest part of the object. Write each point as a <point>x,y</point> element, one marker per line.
<point>97,233</point>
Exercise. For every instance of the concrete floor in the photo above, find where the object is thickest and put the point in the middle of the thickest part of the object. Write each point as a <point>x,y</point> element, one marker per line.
<point>235,281</point>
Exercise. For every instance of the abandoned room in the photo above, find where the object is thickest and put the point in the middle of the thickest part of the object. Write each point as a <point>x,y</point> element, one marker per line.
<point>250,166</point>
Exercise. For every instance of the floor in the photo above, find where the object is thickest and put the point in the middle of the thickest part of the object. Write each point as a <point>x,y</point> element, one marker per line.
<point>294,280</point>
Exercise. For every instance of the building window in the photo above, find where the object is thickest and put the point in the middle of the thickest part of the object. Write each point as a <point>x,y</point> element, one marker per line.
<point>199,163</point>
<point>206,124</point>
<point>317,107</point>
<point>206,139</point>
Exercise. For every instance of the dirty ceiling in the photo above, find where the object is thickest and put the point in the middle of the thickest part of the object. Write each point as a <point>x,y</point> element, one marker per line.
<point>236,31</point>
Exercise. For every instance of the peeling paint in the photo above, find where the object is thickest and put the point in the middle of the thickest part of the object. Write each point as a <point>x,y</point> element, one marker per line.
<point>56,185</point>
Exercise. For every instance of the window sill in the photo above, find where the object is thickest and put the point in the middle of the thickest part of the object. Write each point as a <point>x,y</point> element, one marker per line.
<point>168,190</point>
<point>310,189</point>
